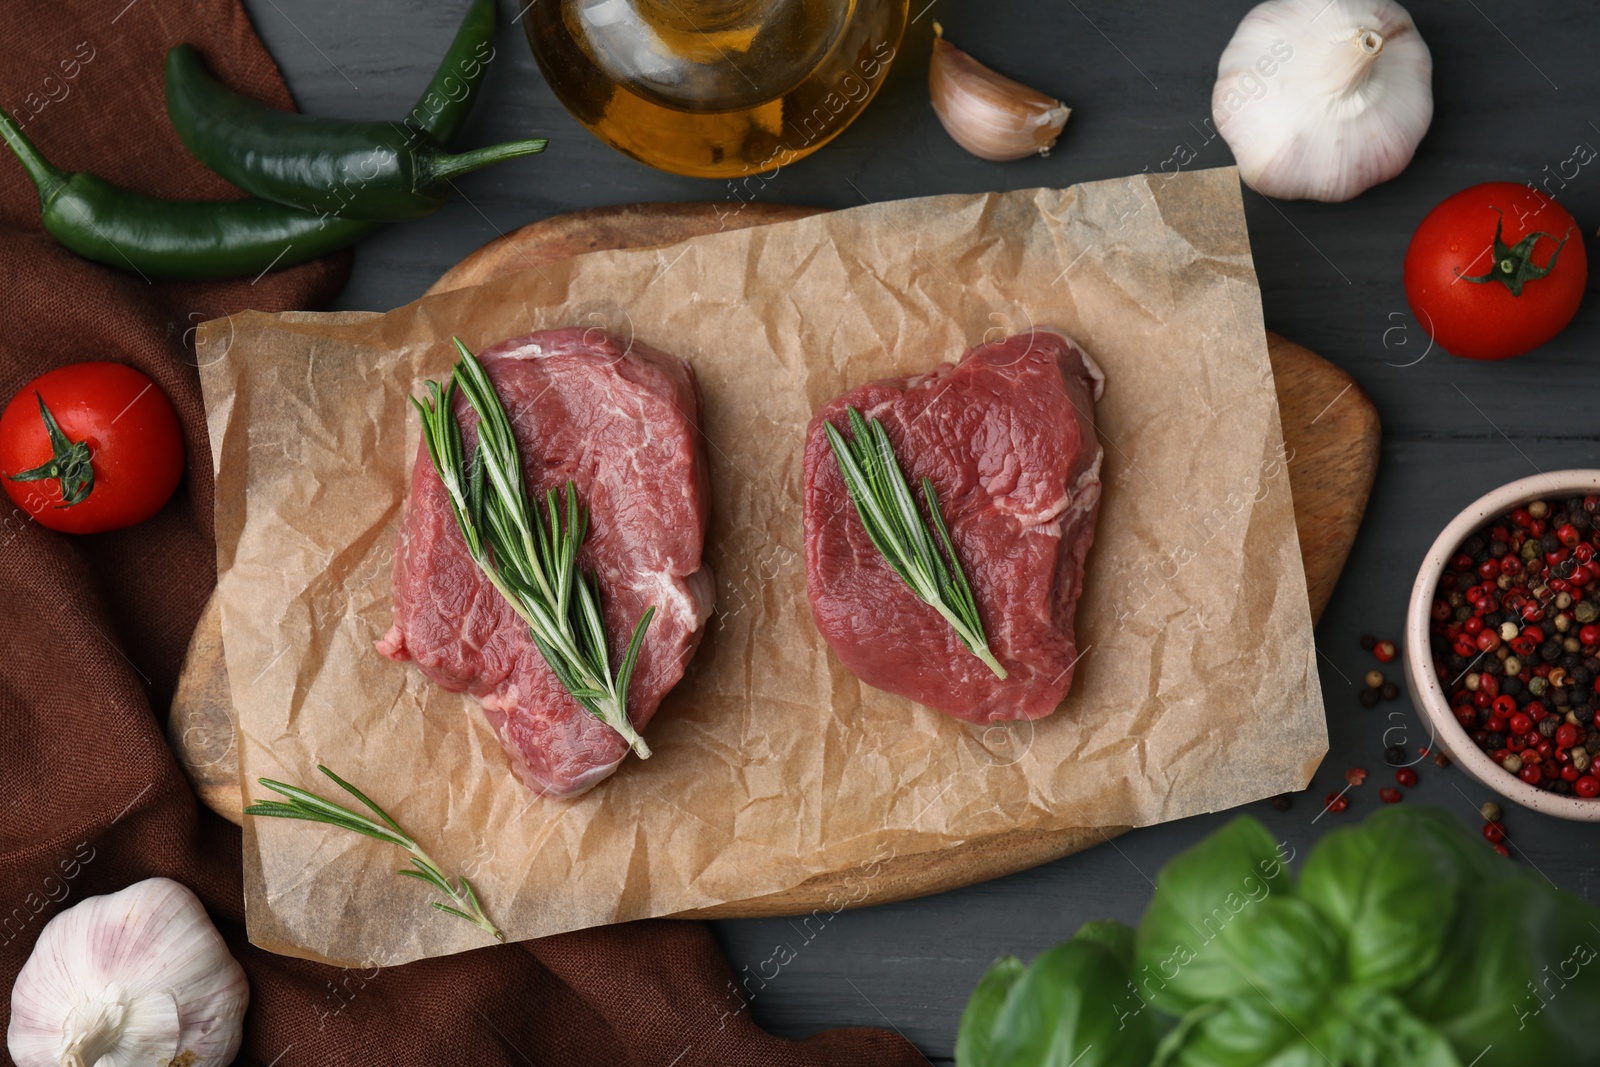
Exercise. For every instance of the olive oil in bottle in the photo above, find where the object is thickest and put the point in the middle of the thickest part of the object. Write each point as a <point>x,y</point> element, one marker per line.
<point>715,88</point>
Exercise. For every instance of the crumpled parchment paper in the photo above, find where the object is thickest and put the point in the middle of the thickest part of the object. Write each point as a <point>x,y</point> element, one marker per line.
<point>1197,688</point>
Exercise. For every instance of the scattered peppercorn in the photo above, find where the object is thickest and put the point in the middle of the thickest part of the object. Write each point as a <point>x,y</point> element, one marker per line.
<point>1368,642</point>
<point>1385,651</point>
<point>1389,691</point>
<point>1394,755</point>
<point>1441,760</point>
<point>1406,777</point>
<point>1369,697</point>
<point>1390,795</point>
<point>1283,802</point>
<point>1374,679</point>
<point>1335,802</point>
<point>1355,775</point>
<point>1490,811</point>
<point>1502,850</point>
<point>1494,831</point>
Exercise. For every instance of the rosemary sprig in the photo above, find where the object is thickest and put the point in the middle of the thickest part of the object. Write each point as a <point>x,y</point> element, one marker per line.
<point>530,557</point>
<point>305,805</point>
<point>889,513</point>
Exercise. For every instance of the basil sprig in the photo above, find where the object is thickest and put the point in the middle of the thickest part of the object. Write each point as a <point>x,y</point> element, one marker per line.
<point>1405,942</point>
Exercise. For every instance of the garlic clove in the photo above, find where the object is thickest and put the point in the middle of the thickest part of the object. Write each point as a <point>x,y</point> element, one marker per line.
<point>988,114</point>
<point>1323,99</point>
<point>136,977</point>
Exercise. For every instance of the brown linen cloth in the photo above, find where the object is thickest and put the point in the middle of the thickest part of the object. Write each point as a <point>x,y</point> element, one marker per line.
<point>93,631</point>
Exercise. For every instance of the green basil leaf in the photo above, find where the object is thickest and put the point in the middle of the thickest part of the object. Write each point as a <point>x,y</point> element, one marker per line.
<point>977,1021</point>
<point>1199,894</point>
<point>1245,1031</point>
<point>1283,949</point>
<point>1519,980</point>
<point>1071,1008</point>
<point>1464,847</point>
<point>1115,936</point>
<point>1367,1027</point>
<point>1389,889</point>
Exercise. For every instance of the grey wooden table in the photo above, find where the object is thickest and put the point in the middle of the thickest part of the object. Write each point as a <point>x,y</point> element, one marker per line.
<point>1517,89</point>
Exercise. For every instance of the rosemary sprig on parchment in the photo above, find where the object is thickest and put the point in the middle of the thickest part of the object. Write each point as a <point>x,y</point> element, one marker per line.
<point>531,558</point>
<point>889,513</point>
<point>305,805</point>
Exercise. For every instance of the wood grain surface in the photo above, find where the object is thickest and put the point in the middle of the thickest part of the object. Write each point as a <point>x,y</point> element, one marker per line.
<point>1329,424</point>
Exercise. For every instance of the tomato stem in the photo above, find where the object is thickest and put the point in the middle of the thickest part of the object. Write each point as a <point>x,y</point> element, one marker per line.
<point>70,462</point>
<point>1513,265</point>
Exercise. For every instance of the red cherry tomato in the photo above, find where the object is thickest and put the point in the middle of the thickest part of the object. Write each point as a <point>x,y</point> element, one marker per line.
<point>112,458</point>
<point>1481,280</point>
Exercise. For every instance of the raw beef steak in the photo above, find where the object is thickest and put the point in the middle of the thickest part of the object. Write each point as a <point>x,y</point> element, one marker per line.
<point>624,427</point>
<point>1007,437</point>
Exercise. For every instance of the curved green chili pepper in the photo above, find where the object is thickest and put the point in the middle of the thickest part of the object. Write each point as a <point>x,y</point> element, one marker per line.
<point>444,105</point>
<point>383,171</point>
<point>174,238</point>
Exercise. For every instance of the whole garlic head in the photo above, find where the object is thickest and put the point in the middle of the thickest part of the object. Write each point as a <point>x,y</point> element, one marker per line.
<point>137,977</point>
<point>1322,100</point>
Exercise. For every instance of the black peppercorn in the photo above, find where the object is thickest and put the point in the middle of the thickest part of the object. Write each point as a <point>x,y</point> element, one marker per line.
<point>1283,802</point>
<point>1548,726</point>
<point>1473,546</point>
<point>1511,687</point>
<point>1550,651</point>
<point>1561,788</point>
<point>1494,665</point>
<point>1574,503</point>
<point>1559,697</point>
<point>1498,549</point>
<point>1585,715</point>
<point>1368,697</point>
<point>1368,642</point>
<point>1580,676</point>
<point>1549,543</point>
<point>1571,661</point>
<point>1394,755</point>
<point>1389,691</point>
<point>1580,519</point>
<point>1494,741</point>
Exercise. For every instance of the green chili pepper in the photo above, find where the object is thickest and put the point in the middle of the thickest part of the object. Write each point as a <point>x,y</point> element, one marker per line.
<point>381,171</point>
<point>444,105</point>
<point>174,238</point>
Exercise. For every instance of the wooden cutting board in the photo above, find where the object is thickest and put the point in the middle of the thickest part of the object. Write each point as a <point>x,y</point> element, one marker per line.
<point>1328,422</point>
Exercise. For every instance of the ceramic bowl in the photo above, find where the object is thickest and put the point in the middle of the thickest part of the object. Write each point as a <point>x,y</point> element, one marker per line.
<point>1426,692</point>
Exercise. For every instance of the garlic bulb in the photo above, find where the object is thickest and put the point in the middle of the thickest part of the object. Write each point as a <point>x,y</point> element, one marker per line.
<point>987,113</point>
<point>138,977</point>
<point>1322,100</point>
